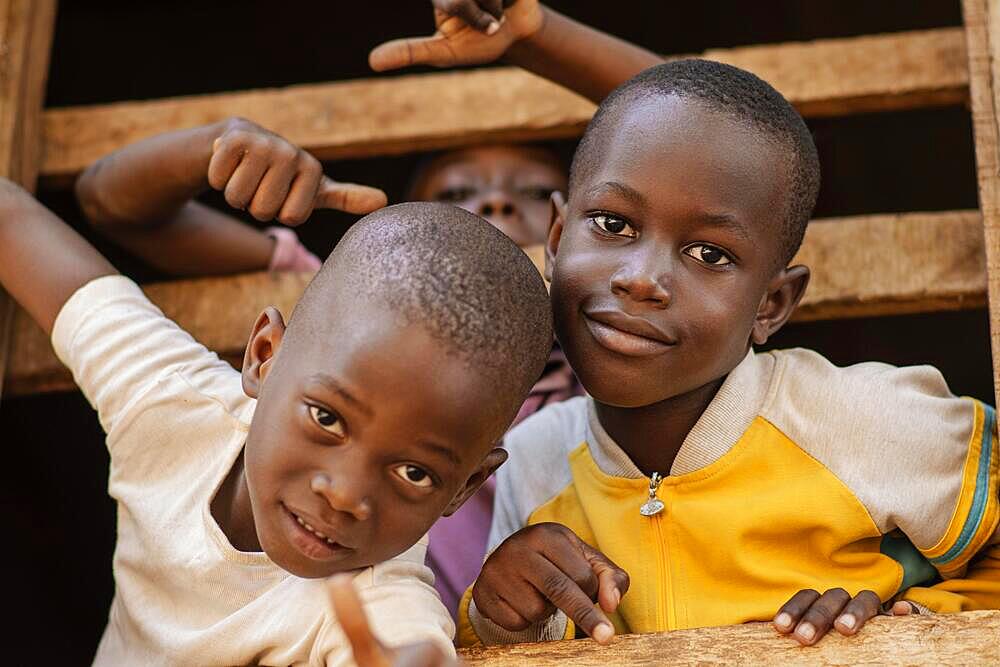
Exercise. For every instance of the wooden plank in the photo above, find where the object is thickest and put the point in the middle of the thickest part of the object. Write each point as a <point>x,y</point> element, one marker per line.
<point>872,265</point>
<point>968,638</point>
<point>390,115</point>
<point>982,31</point>
<point>25,42</point>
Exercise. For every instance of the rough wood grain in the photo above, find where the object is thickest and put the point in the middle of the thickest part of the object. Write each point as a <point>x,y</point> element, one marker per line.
<point>982,32</point>
<point>873,265</point>
<point>399,114</point>
<point>25,41</point>
<point>969,638</point>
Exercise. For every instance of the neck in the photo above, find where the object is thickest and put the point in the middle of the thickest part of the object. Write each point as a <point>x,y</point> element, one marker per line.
<point>652,435</point>
<point>231,509</point>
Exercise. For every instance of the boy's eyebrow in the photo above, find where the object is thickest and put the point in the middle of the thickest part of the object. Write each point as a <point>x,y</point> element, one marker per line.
<point>446,452</point>
<point>727,221</point>
<point>332,385</point>
<point>620,189</point>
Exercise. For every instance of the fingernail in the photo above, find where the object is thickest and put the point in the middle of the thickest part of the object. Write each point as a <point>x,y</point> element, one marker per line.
<point>848,621</point>
<point>492,28</point>
<point>603,633</point>
<point>783,619</point>
<point>618,597</point>
<point>806,631</point>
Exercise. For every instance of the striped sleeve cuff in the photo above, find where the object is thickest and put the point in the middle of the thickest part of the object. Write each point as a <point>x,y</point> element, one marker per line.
<point>978,511</point>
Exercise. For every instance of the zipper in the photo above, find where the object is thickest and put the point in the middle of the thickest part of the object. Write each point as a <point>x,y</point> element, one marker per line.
<point>653,508</point>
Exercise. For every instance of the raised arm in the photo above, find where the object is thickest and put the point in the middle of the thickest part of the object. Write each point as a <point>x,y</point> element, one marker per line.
<point>42,260</point>
<point>142,196</point>
<point>530,35</point>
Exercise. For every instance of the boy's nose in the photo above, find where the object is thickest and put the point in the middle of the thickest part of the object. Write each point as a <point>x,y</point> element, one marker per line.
<point>642,284</point>
<point>342,496</point>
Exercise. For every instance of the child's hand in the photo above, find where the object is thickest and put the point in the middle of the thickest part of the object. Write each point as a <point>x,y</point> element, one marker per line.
<point>271,178</point>
<point>368,650</point>
<point>468,32</point>
<point>808,615</point>
<point>545,566</point>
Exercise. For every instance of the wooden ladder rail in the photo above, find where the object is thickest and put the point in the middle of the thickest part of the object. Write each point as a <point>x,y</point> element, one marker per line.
<point>26,28</point>
<point>982,33</point>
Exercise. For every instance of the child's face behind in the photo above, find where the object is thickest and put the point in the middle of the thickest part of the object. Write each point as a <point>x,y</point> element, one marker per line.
<point>368,434</point>
<point>510,186</point>
<point>664,253</point>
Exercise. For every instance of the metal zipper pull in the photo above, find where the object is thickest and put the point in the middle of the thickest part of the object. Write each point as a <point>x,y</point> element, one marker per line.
<point>653,505</point>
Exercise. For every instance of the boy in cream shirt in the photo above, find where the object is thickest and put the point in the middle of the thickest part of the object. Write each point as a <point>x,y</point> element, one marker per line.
<point>346,435</point>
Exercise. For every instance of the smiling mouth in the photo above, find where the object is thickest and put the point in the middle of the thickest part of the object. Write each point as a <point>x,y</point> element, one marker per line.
<point>628,343</point>
<point>310,541</point>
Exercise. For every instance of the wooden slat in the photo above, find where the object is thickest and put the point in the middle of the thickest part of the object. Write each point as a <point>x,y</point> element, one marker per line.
<point>873,265</point>
<point>399,114</point>
<point>968,638</point>
<point>25,41</point>
<point>982,30</point>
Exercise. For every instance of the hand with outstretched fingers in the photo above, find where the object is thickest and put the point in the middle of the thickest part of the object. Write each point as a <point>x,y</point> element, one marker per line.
<point>368,650</point>
<point>544,567</point>
<point>468,32</point>
<point>270,177</point>
<point>808,616</point>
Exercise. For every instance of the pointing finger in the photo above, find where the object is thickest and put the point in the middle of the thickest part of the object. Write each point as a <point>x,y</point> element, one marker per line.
<point>368,651</point>
<point>565,594</point>
<point>349,197</point>
<point>410,51</point>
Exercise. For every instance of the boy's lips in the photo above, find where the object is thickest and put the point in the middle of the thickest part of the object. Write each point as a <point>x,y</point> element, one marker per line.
<point>314,542</point>
<point>625,334</point>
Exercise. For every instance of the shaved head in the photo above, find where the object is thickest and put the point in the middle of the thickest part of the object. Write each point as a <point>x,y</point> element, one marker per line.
<point>449,272</point>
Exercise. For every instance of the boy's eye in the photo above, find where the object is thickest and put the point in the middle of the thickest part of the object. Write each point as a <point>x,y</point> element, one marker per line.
<point>455,194</point>
<point>414,475</point>
<point>707,254</point>
<point>613,225</point>
<point>328,421</point>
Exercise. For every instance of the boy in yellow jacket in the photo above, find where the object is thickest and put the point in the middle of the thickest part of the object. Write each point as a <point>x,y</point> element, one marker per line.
<point>723,481</point>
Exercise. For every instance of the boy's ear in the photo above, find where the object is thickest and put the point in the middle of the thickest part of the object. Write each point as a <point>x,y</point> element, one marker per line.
<point>779,302</point>
<point>268,332</point>
<point>493,460</point>
<point>556,223</point>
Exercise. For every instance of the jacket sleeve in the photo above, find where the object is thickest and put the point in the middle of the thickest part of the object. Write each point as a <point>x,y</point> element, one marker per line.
<point>968,556</point>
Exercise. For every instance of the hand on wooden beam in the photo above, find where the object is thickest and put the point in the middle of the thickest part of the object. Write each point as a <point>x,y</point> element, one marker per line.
<point>367,649</point>
<point>273,179</point>
<point>807,616</point>
<point>545,567</point>
<point>468,32</point>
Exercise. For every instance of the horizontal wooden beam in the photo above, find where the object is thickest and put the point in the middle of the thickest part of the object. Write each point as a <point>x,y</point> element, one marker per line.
<point>391,115</point>
<point>968,638</point>
<point>872,265</point>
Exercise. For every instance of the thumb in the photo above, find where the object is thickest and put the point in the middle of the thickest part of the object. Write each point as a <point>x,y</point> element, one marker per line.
<point>612,581</point>
<point>368,651</point>
<point>411,51</point>
<point>349,197</point>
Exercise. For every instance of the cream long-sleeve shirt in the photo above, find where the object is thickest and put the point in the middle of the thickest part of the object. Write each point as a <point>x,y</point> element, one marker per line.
<point>176,419</point>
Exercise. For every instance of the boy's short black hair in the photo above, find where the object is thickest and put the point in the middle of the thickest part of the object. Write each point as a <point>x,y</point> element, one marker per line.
<point>745,97</point>
<point>451,273</point>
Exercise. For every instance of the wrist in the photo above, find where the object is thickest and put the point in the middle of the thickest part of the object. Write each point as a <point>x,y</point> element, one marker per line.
<point>526,43</point>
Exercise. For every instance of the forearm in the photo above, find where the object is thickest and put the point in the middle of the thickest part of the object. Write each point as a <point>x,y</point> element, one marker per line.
<point>148,181</point>
<point>141,197</point>
<point>42,260</point>
<point>585,60</point>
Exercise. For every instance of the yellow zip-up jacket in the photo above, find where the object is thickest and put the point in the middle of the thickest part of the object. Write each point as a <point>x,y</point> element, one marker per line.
<point>800,474</point>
